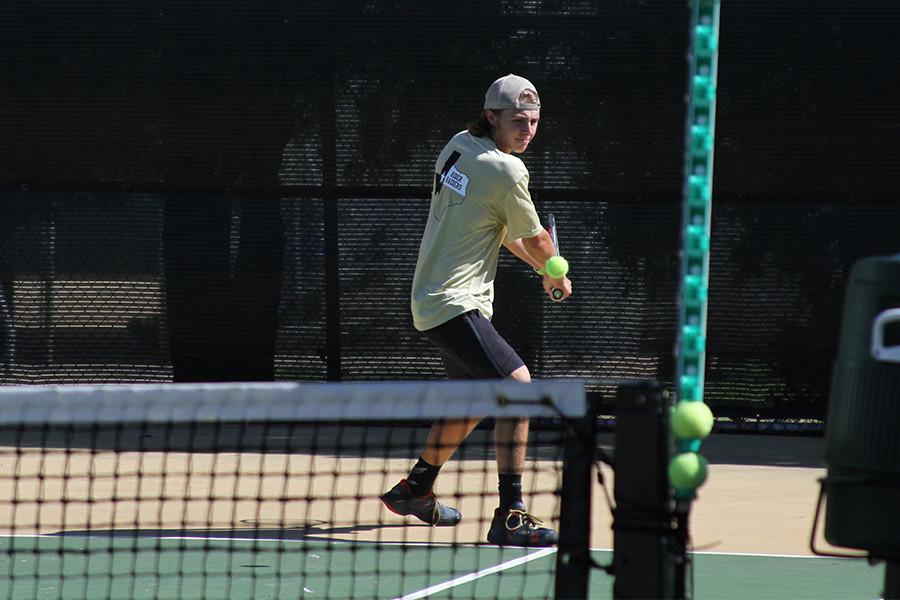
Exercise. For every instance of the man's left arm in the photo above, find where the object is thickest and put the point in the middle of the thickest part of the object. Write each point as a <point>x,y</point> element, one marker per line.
<point>518,249</point>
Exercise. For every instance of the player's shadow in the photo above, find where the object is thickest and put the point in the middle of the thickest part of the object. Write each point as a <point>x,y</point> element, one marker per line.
<point>314,531</point>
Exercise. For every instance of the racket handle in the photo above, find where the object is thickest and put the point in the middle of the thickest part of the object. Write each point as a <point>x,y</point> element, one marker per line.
<point>557,294</point>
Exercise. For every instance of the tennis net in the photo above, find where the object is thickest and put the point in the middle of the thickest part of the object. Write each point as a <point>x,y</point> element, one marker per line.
<point>268,490</point>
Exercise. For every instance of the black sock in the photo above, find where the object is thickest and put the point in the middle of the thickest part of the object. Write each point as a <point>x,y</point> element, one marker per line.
<point>421,478</point>
<point>511,491</point>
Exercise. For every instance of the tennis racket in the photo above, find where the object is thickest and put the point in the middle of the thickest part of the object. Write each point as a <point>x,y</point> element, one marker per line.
<point>551,229</point>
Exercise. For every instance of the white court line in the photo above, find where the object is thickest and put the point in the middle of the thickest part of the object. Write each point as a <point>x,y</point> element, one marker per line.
<point>753,554</point>
<point>478,574</point>
<point>209,538</point>
<point>367,542</point>
<point>758,555</point>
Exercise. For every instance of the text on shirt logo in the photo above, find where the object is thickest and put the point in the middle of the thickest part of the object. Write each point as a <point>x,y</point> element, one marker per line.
<point>456,181</point>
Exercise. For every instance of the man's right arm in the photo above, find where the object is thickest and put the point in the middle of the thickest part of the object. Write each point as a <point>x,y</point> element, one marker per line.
<point>541,249</point>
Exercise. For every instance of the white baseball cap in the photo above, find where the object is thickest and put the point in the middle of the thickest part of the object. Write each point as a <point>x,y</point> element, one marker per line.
<point>508,92</point>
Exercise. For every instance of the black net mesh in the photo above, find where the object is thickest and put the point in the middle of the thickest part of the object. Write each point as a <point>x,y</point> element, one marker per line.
<point>281,491</point>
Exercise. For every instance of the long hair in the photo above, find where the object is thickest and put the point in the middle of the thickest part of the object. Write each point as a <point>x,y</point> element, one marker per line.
<point>482,127</point>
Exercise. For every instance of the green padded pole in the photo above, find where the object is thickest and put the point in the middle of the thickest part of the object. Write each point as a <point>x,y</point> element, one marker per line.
<point>690,349</point>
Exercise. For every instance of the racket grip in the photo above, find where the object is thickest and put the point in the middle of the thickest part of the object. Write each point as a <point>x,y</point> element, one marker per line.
<point>557,294</point>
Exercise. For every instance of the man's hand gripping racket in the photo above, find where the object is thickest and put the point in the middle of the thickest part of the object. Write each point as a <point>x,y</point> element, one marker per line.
<point>557,267</point>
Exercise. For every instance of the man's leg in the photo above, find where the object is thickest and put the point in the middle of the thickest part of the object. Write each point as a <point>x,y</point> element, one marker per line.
<point>445,437</point>
<point>512,525</point>
<point>510,441</point>
<point>414,494</point>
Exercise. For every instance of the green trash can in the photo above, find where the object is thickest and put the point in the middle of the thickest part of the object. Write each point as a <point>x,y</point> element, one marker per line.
<point>862,435</point>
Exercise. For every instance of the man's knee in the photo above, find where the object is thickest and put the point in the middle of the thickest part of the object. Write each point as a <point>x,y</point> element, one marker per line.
<point>521,374</point>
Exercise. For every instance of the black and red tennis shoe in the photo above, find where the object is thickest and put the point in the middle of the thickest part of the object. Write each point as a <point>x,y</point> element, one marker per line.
<point>401,501</point>
<point>512,527</point>
<point>515,527</point>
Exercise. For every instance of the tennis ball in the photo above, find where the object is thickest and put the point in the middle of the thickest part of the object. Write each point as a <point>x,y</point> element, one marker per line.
<point>556,267</point>
<point>691,419</point>
<point>687,471</point>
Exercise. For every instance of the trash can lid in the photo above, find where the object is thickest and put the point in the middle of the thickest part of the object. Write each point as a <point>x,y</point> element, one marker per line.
<point>878,269</point>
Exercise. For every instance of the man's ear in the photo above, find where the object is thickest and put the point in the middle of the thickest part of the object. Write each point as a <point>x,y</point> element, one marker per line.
<point>491,117</point>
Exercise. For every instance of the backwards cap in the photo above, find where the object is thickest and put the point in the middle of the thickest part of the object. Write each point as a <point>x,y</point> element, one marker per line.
<point>509,92</point>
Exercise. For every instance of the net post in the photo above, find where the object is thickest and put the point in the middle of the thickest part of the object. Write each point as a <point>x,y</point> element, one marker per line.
<point>891,579</point>
<point>328,103</point>
<point>649,530</point>
<point>573,559</point>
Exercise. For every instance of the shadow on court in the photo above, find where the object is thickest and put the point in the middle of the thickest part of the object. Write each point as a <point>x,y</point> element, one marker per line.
<point>764,450</point>
<point>314,531</point>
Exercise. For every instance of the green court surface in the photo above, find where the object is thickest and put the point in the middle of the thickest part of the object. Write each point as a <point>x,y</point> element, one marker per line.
<point>746,576</point>
<point>192,567</point>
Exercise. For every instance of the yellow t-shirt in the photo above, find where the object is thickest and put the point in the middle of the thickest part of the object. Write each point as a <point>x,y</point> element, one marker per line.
<point>480,195</point>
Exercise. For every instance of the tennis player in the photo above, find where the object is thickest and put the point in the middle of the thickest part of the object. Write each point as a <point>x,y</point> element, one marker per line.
<point>480,201</point>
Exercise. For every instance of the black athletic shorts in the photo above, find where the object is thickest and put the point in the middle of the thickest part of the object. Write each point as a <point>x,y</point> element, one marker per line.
<point>472,349</point>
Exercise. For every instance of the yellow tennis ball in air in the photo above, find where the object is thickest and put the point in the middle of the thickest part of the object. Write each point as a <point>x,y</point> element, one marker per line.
<point>691,419</point>
<point>556,267</point>
<point>687,471</point>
